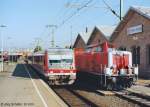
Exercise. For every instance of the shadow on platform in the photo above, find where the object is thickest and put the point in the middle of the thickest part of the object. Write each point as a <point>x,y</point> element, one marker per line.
<point>20,71</point>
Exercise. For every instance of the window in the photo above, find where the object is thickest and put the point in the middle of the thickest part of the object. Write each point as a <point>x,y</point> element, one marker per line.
<point>98,49</point>
<point>67,60</point>
<point>88,49</point>
<point>136,55</point>
<point>148,54</point>
<point>54,61</point>
<point>122,48</point>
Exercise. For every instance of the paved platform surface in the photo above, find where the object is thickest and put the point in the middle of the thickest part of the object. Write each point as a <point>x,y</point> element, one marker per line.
<point>106,93</point>
<point>21,87</point>
<point>139,89</point>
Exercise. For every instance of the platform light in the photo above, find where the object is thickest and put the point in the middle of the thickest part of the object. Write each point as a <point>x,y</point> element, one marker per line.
<point>2,63</point>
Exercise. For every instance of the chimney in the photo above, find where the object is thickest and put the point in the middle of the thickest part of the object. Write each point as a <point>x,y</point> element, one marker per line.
<point>86,29</point>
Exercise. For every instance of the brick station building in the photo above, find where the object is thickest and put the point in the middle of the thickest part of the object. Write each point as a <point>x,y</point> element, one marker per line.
<point>100,34</point>
<point>133,34</point>
<point>82,39</point>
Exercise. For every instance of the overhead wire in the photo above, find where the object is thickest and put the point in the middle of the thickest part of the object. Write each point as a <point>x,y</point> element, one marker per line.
<point>63,12</point>
<point>113,11</point>
<point>74,13</point>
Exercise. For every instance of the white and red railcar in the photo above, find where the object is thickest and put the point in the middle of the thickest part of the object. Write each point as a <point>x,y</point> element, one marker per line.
<point>107,67</point>
<point>56,64</point>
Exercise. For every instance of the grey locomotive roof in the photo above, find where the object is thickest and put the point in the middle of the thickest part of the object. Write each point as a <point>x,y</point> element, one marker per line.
<point>144,11</point>
<point>59,51</point>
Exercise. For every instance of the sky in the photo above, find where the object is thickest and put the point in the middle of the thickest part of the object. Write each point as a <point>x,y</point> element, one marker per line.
<point>26,20</point>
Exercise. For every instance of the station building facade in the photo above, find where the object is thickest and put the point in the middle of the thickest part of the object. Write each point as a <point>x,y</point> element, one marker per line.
<point>133,34</point>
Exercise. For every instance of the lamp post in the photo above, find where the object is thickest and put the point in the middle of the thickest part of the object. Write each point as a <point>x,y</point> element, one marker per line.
<point>8,38</point>
<point>2,63</point>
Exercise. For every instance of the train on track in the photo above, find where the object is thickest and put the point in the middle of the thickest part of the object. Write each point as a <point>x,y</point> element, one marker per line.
<point>56,64</point>
<point>105,66</point>
<point>100,63</point>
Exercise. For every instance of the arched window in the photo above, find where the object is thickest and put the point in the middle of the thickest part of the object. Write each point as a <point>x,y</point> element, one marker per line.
<point>135,54</point>
<point>148,54</point>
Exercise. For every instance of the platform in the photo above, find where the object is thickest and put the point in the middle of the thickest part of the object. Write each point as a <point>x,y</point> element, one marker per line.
<point>141,90</point>
<point>21,87</point>
<point>106,93</point>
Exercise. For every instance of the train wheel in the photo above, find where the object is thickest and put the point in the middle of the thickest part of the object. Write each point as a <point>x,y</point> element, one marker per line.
<point>130,83</point>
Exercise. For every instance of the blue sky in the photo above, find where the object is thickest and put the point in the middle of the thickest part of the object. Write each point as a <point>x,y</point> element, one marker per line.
<point>26,19</point>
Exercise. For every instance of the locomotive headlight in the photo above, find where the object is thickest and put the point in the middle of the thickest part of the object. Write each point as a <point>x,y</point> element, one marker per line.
<point>51,71</point>
<point>136,70</point>
<point>108,71</point>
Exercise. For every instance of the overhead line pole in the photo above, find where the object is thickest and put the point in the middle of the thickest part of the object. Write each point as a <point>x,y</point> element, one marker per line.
<point>53,27</point>
<point>71,36</point>
<point>114,12</point>
<point>121,9</point>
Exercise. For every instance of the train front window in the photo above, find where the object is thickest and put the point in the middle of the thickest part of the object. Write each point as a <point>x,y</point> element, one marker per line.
<point>67,60</point>
<point>54,61</point>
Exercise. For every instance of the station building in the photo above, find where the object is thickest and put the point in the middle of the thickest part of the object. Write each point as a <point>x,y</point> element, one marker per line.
<point>82,39</point>
<point>98,34</point>
<point>133,34</point>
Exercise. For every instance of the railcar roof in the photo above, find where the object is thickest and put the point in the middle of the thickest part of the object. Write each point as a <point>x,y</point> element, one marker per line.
<point>53,51</point>
<point>59,51</point>
<point>39,53</point>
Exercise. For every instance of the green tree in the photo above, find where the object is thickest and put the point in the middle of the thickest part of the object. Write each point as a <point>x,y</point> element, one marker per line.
<point>38,48</point>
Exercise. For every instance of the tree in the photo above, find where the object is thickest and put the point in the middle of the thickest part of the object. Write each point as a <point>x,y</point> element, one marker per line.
<point>38,48</point>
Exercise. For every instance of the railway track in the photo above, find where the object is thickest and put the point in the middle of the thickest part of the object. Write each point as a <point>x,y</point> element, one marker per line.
<point>72,98</point>
<point>143,101</point>
<point>85,97</point>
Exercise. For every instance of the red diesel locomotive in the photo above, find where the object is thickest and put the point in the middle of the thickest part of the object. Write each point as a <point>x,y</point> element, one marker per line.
<point>56,64</point>
<point>107,67</point>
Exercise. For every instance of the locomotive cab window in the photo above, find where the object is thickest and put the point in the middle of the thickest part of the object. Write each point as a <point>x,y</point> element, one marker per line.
<point>88,49</point>
<point>122,48</point>
<point>98,49</point>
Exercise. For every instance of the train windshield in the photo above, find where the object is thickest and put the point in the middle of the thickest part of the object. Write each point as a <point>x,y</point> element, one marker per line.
<point>60,59</point>
<point>60,62</point>
<point>54,61</point>
<point>67,60</point>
